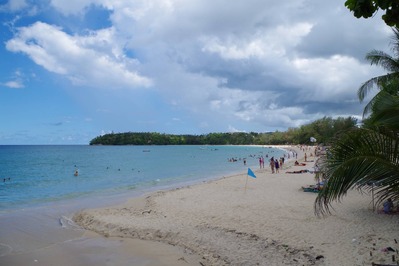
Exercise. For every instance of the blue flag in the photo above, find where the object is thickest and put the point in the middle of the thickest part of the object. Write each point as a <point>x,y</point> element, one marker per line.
<point>250,173</point>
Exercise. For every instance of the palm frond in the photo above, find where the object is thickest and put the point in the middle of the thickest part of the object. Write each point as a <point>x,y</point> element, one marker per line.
<point>391,87</point>
<point>378,82</point>
<point>386,111</point>
<point>360,158</point>
<point>395,41</point>
<point>383,59</point>
<point>369,107</point>
<point>366,87</point>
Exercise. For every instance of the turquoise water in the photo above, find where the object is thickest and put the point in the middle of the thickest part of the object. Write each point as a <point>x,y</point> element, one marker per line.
<point>37,175</point>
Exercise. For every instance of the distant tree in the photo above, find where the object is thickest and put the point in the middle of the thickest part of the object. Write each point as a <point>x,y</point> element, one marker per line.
<point>367,8</point>
<point>323,130</point>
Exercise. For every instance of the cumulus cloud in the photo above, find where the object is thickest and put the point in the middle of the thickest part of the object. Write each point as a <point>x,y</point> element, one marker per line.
<point>262,44</point>
<point>90,60</point>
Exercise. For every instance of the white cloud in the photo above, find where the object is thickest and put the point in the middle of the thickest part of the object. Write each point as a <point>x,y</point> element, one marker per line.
<point>260,44</point>
<point>335,78</point>
<point>16,81</point>
<point>14,5</point>
<point>233,129</point>
<point>15,84</point>
<point>90,60</point>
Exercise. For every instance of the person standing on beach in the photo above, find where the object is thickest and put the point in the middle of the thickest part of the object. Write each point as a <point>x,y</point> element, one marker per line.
<point>272,164</point>
<point>277,166</point>
<point>306,157</point>
<point>388,206</point>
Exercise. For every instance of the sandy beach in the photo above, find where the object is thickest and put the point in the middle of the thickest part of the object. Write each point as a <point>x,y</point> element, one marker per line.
<point>267,220</point>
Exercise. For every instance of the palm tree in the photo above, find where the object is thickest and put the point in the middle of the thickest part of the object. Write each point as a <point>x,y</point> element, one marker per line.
<point>365,157</point>
<point>388,62</point>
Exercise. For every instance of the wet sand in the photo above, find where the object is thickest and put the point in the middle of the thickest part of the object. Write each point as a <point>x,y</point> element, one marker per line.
<point>92,249</point>
<point>47,236</point>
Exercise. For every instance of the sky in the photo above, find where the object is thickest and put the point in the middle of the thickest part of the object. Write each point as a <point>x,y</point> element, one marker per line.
<point>73,70</point>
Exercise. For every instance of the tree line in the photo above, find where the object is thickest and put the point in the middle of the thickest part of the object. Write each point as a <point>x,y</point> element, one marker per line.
<point>323,130</point>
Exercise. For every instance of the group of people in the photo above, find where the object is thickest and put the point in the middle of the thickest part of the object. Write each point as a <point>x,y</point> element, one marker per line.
<point>275,164</point>
<point>293,154</point>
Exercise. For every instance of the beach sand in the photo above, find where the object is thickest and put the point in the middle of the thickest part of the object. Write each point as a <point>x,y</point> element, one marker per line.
<point>267,220</point>
<point>93,249</point>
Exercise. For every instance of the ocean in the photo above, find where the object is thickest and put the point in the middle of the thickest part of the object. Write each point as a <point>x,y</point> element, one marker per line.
<point>36,175</point>
<point>39,192</point>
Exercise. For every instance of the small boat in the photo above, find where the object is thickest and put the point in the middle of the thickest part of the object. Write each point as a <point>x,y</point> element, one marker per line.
<point>146,150</point>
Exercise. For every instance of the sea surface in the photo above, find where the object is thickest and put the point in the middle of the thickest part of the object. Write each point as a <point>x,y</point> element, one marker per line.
<point>39,192</point>
<point>36,175</point>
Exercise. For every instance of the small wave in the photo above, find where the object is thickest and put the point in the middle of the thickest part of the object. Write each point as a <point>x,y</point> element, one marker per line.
<point>67,222</point>
<point>4,249</point>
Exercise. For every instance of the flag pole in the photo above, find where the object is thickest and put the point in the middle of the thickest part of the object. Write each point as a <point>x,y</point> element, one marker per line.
<point>251,174</point>
<point>246,181</point>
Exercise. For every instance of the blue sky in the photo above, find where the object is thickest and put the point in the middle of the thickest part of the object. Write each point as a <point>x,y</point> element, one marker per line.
<point>73,70</point>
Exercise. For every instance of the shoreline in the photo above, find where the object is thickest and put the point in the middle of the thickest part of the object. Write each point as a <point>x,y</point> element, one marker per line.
<point>272,222</point>
<point>45,229</point>
<point>195,236</point>
<point>219,222</point>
